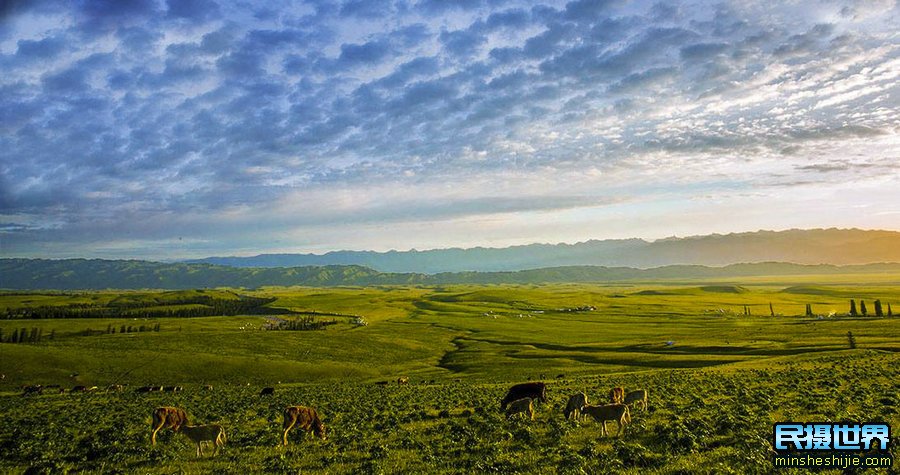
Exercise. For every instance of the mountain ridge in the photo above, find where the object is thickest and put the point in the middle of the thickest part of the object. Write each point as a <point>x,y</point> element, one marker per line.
<point>800,246</point>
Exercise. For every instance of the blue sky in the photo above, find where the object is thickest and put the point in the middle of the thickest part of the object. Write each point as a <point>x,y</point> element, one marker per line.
<point>155,129</point>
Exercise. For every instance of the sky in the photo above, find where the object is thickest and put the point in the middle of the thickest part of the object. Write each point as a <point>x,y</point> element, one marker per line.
<point>173,129</point>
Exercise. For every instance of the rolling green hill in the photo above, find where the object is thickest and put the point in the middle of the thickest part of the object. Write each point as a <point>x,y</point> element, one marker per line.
<point>68,274</point>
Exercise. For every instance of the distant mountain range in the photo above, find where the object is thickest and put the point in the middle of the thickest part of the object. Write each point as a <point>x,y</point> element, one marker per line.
<point>814,246</point>
<point>77,274</point>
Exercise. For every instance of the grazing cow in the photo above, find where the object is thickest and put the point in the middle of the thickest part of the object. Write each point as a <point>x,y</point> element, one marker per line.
<point>32,389</point>
<point>560,376</point>
<point>639,396</point>
<point>523,405</point>
<point>208,387</point>
<point>534,390</point>
<point>609,412</point>
<point>576,402</point>
<point>267,392</point>
<point>402,380</point>
<point>172,389</point>
<point>213,433</point>
<point>171,417</point>
<point>80,389</point>
<point>305,418</point>
<point>115,388</point>
<point>616,395</point>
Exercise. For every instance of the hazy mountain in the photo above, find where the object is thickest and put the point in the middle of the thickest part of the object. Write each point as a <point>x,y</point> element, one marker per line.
<point>815,246</point>
<point>69,274</point>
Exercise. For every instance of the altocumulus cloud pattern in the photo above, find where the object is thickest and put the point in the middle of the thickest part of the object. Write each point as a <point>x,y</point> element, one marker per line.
<point>144,128</point>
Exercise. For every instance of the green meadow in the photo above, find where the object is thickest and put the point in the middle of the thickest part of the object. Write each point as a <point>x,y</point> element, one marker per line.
<point>720,368</point>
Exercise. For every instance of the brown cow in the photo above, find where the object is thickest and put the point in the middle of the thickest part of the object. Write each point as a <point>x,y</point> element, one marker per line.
<point>171,417</point>
<point>402,380</point>
<point>534,390</point>
<point>305,418</point>
<point>616,395</point>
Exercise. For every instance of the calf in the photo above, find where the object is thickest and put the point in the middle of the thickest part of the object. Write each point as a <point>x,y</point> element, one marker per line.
<point>609,412</point>
<point>213,433</point>
<point>639,396</point>
<point>523,405</point>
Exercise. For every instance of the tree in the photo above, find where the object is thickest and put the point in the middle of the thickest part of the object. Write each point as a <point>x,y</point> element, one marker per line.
<point>851,340</point>
<point>771,309</point>
<point>890,313</point>
<point>862,308</point>
<point>809,312</point>
<point>852,308</point>
<point>878,310</point>
<point>15,336</point>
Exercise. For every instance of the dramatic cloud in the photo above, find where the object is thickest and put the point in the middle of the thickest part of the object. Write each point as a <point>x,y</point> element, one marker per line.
<point>166,129</point>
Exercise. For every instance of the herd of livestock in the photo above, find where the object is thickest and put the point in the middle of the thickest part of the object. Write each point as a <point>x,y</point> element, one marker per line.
<point>520,399</point>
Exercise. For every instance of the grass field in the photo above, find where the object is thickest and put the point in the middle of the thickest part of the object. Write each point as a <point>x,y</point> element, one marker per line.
<point>718,378</point>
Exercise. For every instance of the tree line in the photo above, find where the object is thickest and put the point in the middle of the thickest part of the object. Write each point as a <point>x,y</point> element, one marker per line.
<point>201,307</point>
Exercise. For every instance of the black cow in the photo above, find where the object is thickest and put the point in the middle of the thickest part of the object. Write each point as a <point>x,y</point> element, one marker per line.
<point>32,389</point>
<point>148,389</point>
<point>534,390</point>
<point>267,392</point>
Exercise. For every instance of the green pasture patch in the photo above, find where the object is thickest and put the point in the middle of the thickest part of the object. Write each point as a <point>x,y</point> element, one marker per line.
<point>718,379</point>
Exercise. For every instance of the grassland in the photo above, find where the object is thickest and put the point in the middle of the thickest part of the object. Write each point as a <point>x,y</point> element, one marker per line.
<point>718,378</point>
